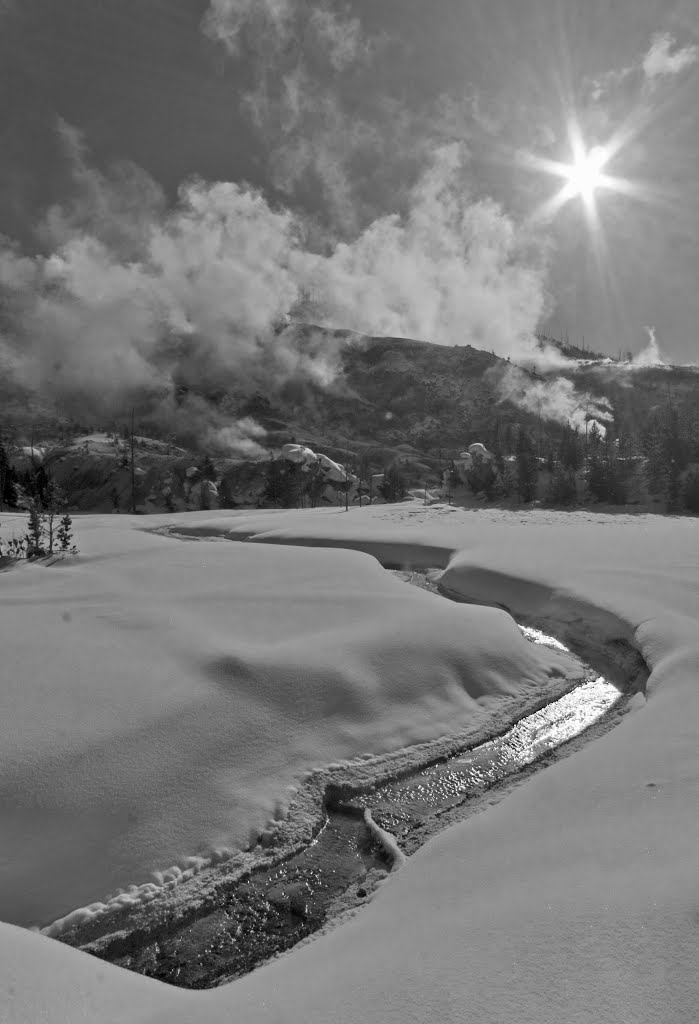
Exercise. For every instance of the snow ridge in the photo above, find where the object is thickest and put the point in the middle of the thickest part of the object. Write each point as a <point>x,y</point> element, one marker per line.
<point>387,841</point>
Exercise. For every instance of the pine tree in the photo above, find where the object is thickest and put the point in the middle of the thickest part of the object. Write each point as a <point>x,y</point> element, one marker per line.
<point>569,454</point>
<point>64,534</point>
<point>675,448</point>
<point>690,492</point>
<point>283,484</point>
<point>54,501</point>
<point>35,531</point>
<point>653,449</point>
<point>8,481</point>
<point>208,470</point>
<point>561,489</point>
<point>41,482</point>
<point>526,467</point>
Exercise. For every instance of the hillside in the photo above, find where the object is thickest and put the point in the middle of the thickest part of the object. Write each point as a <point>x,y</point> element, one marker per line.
<point>365,401</point>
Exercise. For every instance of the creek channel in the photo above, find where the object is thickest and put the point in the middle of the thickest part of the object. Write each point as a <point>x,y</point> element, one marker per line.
<point>273,909</point>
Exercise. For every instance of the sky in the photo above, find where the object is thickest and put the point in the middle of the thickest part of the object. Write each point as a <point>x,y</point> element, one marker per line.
<point>196,170</point>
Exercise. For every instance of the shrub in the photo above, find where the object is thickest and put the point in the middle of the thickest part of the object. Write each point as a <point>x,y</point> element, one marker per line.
<point>12,550</point>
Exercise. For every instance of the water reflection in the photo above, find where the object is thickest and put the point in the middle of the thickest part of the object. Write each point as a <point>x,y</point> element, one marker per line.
<point>274,909</point>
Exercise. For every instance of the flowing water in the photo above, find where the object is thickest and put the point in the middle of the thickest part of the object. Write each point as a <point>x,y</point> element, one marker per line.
<point>272,910</point>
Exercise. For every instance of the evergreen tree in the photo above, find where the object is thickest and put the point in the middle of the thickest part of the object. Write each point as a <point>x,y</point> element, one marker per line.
<point>283,486</point>
<point>64,534</point>
<point>394,486</point>
<point>690,492</point>
<point>654,452</point>
<point>315,485</point>
<point>208,470</point>
<point>526,467</point>
<point>41,482</point>
<point>594,441</point>
<point>607,476</point>
<point>8,481</point>
<point>569,453</point>
<point>225,495</point>
<point>35,531</point>
<point>675,448</point>
<point>54,502</point>
<point>561,489</point>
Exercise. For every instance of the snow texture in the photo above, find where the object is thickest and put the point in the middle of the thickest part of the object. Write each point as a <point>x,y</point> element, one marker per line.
<point>161,697</point>
<point>386,840</point>
<point>574,899</point>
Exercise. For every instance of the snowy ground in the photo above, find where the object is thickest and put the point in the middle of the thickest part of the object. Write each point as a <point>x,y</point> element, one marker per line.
<point>574,899</point>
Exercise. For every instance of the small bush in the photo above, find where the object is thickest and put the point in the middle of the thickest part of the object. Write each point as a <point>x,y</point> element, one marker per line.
<point>13,550</point>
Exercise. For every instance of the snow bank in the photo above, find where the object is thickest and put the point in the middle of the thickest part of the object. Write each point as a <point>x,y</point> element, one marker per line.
<point>386,840</point>
<point>574,898</point>
<point>160,697</point>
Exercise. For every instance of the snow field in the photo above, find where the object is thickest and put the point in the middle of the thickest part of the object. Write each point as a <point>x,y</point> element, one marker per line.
<point>574,899</point>
<point>160,697</point>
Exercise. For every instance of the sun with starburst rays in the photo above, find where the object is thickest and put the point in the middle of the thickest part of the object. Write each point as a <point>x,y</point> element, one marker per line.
<point>586,173</point>
<point>583,176</point>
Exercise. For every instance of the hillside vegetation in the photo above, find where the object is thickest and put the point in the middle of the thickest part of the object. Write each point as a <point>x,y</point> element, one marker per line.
<point>380,402</point>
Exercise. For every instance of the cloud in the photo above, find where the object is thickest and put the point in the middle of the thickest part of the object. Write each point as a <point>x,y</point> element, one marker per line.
<point>450,270</point>
<point>298,55</point>
<point>660,62</point>
<point>557,399</point>
<point>260,28</point>
<point>176,309</point>
<point>268,24</point>
<point>136,302</point>
<point>340,36</point>
<point>117,209</point>
<point>644,73</point>
<point>610,81</point>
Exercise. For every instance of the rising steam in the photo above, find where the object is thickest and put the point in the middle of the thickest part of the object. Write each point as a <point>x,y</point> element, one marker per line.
<point>135,302</point>
<point>650,355</point>
<point>556,399</point>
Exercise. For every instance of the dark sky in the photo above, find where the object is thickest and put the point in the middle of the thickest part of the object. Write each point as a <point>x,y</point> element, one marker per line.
<point>140,80</point>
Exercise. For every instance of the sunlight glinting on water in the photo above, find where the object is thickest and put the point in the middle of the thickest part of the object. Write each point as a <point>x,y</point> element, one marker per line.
<point>529,739</point>
<point>535,735</point>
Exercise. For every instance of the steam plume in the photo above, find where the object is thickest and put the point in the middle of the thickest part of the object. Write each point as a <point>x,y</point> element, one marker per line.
<point>138,302</point>
<point>650,355</point>
<point>556,399</point>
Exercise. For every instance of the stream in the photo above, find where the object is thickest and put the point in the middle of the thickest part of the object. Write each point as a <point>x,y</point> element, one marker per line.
<point>273,909</point>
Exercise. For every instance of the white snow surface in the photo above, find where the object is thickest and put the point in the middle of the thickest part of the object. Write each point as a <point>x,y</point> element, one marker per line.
<point>161,697</point>
<point>573,899</point>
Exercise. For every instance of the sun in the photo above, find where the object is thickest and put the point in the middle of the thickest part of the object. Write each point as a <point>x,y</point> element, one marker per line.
<point>585,175</point>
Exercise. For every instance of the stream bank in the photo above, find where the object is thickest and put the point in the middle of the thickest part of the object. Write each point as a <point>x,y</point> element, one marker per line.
<point>282,897</point>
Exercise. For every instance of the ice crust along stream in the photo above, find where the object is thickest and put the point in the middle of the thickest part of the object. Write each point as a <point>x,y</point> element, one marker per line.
<point>273,909</point>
